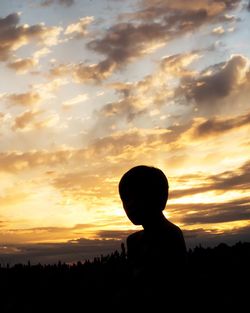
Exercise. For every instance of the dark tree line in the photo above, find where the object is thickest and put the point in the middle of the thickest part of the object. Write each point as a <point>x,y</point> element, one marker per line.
<point>215,278</point>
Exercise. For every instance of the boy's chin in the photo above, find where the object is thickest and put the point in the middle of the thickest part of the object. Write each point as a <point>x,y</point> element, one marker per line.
<point>136,222</point>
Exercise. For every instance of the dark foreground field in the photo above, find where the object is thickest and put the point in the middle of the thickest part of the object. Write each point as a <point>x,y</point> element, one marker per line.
<point>215,279</point>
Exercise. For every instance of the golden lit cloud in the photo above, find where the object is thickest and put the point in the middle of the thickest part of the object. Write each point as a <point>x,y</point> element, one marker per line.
<point>25,120</point>
<point>78,99</point>
<point>215,127</point>
<point>21,66</point>
<point>13,35</point>
<point>79,29</point>
<point>23,99</point>
<point>218,30</point>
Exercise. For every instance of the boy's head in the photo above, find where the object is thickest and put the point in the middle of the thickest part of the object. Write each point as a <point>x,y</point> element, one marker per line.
<point>144,193</point>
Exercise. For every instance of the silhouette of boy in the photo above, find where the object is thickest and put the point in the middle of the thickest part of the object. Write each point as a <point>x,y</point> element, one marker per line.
<point>160,247</point>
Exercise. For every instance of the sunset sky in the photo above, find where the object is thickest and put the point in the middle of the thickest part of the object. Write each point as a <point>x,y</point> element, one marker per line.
<point>90,89</point>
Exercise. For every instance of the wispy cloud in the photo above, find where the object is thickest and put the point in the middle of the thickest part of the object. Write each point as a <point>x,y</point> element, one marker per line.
<point>216,126</point>
<point>237,179</point>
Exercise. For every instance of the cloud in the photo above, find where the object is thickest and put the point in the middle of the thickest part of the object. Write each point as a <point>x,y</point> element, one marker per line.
<point>156,23</point>
<point>208,238</point>
<point>216,126</point>
<point>120,141</point>
<point>82,73</point>
<point>128,107</point>
<point>117,151</point>
<point>177,65</point>
<point>76,185</point>
<point>82,249</point>
<point>48,89</point>
<point>22,66</point>
<point>25,99</point>
<point>114,234</point>
<point>77,99</point>
<point>125,42</point>
<point>218,30</point>
<point>78,30</point>
<point>10,235</point>
<point>150,93</point>
<point>25,120</point>
<point>71,251</point>
<point>13,36</point>
<point>237,179</point>
<point>16,161</point>
<point>157,8</point>
<point>212,213</point>
<point>28,120</point>
<point>216,82</point>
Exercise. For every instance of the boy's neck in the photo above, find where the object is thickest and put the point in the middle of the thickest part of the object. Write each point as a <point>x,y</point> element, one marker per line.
<point>154,221</point>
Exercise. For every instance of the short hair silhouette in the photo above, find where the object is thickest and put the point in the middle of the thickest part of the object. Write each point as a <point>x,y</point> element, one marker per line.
<point>144,192</point>
<point>160,246</point>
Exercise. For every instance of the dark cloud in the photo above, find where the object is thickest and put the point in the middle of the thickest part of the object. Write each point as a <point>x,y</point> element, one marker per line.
<point>150,28</point>
<point>209,238</point>
<point>71,251</point>
<point>125,42</point>
<point>83,249</point>
<point>157,22</point>
<point>216,82</point>
<point>213,126</point>
<point>149,9</point>
<point>226,181</point>
<point>212,213</point>
<point>114,234</point>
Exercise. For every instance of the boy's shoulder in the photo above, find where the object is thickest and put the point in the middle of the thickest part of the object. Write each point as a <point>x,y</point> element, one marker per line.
<point>173,228</point>
<point>136,236</point>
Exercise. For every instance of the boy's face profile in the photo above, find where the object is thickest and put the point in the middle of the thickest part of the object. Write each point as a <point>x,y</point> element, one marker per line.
<point>144,192</point>
<point>136,208</point>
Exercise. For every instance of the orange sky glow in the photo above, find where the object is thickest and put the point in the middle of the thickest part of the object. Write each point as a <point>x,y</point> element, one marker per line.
<point>90,89</point>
